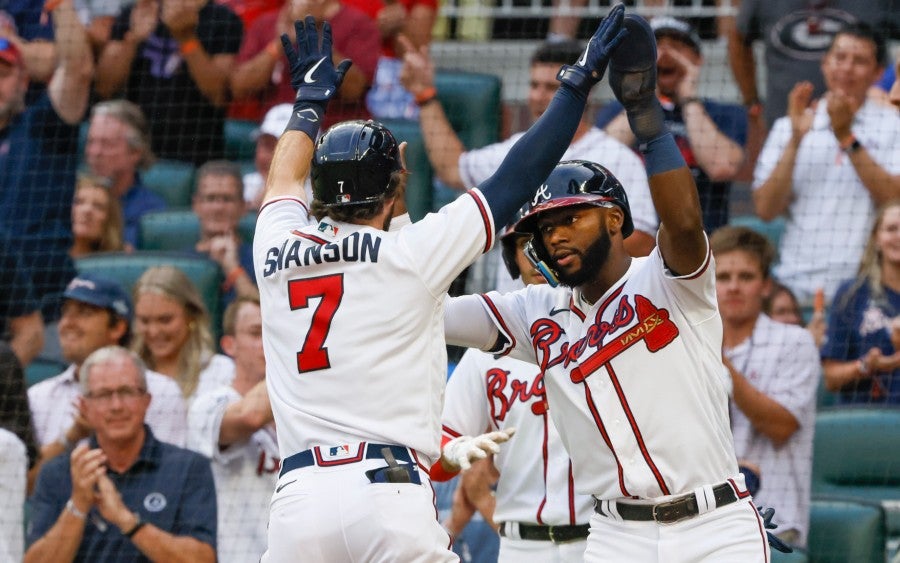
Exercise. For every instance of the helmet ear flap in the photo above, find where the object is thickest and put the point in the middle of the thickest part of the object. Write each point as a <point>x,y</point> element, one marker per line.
<point>537,255</point>
<point>508,250</point>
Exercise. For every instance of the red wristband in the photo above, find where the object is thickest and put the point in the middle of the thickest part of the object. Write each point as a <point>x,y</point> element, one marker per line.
<point>426,95</point>
<point>189,46</point>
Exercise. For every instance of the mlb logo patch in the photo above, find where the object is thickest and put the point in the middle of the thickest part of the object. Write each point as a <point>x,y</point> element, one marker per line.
<point>343,198</point>
<point>323,227</point>
<point>337,452</point>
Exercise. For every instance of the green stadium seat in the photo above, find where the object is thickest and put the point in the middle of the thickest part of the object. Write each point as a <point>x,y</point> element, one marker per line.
<point>472,103</point>
<point>240,139</point>
<point>40,369</point>
<point>419,181</point>
<point>846,531</point>
<point>173,180</point>
<point>126,268</point>
<point>855,455</point>
<point>178,229</point>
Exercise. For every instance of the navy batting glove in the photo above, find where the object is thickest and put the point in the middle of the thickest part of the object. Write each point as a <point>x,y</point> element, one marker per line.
<point>774,541</point>
<point>632,78</point>
<point>313,74</point>
<point>591,66</point>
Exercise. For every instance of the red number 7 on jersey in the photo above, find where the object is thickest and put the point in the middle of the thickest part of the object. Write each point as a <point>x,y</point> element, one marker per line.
<point>314,355</point>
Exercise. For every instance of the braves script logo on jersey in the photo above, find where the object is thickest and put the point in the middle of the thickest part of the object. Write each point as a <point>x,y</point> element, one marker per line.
<point>653,327</point>
<point>503,392</point>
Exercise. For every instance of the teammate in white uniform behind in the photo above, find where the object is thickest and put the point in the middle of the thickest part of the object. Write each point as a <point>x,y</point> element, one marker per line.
<point>232,425</point>
<point>541,517</point>
<point>352,313</point>
<point>630,348</point>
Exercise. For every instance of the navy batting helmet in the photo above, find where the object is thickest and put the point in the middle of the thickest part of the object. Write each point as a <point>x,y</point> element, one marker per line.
<point>353,163</point>
<point>573,182</point>
<point>508,239</point>
<point>577,182</point>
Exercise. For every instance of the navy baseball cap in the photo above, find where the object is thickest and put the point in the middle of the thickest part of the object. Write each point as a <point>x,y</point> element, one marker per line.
<point>100,292</point>
<point>677,29</point>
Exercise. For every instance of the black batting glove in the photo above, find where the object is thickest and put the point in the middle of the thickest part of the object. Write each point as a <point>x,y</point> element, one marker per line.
<point>774,541</point>
<point>313,74</point>
<point>591,66</point>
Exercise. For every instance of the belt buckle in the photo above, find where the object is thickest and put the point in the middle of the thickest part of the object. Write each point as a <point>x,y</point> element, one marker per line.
<point>550,533</point>
<point>662,513</point>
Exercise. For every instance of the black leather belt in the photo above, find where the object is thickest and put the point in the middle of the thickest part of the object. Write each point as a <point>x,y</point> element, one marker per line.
<point>679,508</point>
<point>556,534</point>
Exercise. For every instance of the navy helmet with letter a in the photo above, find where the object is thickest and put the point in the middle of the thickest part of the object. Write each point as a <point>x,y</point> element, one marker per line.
<point>572,182</point>
<point>353,163</point>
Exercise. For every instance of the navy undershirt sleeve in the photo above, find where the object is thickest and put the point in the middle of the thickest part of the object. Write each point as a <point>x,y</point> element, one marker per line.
<point>533,157</point>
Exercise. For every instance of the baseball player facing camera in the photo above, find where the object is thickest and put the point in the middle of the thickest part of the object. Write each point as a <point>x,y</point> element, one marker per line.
<point>630,347</point>
<point>353,313</point>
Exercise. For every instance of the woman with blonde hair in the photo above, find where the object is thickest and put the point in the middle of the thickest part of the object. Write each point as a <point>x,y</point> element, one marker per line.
<point>172,332</point>
<point>861,353</point>
<point>97,224</point>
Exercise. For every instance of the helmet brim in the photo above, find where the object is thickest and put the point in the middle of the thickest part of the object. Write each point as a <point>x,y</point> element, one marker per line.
<point>528,223</point>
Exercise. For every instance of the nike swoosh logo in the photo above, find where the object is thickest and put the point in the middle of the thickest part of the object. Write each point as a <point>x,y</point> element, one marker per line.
<point>308,77</point>
<point>583,60</point>
<point>278,490</point>
<point>555,311</point>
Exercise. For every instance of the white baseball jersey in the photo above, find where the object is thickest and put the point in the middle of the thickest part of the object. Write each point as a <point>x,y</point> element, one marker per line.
<point>245,475</point>
<point>634,380</point>
<point>782,362</point>
<point>353,322</point>
<point>53,409</point>
<point>596,145</point>
<point>536,483</point>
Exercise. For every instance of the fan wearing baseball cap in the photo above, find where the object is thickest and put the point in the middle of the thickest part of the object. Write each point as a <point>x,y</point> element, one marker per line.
<point>37,155</point>
<point>711,135</point>
<point>96,312</point>
<point>267,135</point>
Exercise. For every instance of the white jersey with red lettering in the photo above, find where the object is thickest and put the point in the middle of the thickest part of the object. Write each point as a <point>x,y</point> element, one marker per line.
<point>536,483</point>
<point>353,322</point>
<point>634,380</point>
<point>245,474</point>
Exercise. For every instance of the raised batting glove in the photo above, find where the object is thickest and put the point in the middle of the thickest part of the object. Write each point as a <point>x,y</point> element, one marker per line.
<point>632,77</point>
<point>461,452</point>
<point>774,541</point>
<point>313,74</point>
<point>591,66</point>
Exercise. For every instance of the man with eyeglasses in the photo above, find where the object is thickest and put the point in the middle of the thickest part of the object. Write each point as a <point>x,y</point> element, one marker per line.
<point>125,495</point>
<point>96,312</point>
<point>219,204</point>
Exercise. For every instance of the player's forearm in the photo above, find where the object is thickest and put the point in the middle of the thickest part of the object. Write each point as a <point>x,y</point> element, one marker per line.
<point>773,197</point>
<point>290,166</point>
<point>716,154</point>
<point>441,144</point>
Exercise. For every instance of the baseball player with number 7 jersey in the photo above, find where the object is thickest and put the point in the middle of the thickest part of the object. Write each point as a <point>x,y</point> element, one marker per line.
<point>353,313</point>
<point>630,348</point>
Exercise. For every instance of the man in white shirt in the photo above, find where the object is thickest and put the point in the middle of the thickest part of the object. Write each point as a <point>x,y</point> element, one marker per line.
<point>233,426</point>
<point>774,370</point>
<point>827,166</point>
<point>96,312</point>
